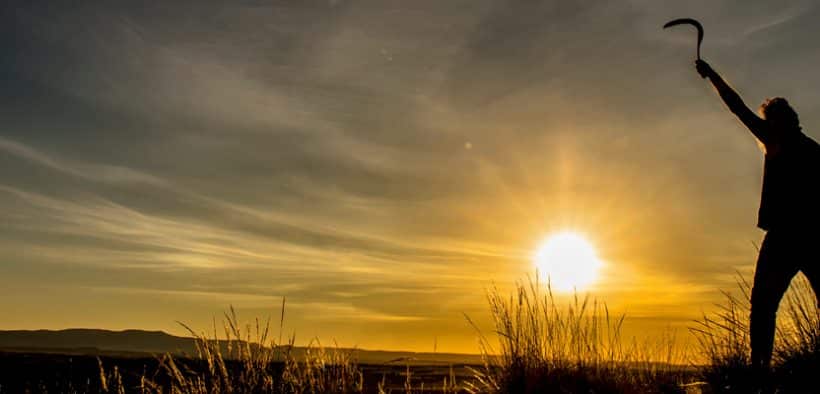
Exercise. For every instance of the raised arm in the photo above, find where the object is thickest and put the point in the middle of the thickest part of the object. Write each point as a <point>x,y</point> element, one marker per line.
<point>755,124</point>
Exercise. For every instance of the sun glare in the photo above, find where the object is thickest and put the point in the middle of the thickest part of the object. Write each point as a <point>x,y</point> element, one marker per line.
<point>568,261</point>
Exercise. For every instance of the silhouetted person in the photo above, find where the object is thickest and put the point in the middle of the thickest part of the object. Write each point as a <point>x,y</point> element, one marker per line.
<point>789,208</point>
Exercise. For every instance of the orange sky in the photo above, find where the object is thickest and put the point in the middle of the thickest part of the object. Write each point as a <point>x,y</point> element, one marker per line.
<point>380,164</point>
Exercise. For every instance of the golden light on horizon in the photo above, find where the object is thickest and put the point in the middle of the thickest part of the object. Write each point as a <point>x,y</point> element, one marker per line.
<point>568,261</point>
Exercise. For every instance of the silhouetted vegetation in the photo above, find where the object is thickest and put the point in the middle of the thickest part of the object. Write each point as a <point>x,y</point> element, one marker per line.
<point>248,360</point>
<point>546,347</point>
<point>543,347</point>
<point>724,341</point>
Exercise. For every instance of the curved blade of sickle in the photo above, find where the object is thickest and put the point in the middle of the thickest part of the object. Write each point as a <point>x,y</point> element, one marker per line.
<point>688,21</point>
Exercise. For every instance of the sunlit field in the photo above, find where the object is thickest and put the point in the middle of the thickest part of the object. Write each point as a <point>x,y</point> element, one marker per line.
<point>538,345</point>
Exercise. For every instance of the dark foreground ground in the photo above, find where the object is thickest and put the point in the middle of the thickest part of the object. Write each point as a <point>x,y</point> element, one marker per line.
<point>24,372</point>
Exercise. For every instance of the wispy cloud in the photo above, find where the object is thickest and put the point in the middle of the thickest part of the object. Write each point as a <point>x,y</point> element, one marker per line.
<point>93,172</point>
<point>355,155</point>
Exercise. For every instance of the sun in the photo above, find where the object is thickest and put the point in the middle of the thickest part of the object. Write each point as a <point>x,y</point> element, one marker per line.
<point>568,261</point>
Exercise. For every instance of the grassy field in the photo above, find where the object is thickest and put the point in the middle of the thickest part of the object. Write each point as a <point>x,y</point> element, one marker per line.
<point>537,346</point>
<point>61,373</point>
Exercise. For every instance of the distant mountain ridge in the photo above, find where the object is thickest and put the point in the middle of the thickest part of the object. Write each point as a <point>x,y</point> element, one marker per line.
<point>90,341</point>
<point>141,341</point>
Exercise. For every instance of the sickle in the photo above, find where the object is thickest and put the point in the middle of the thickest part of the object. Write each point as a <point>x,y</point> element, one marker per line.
<point>688,21</point>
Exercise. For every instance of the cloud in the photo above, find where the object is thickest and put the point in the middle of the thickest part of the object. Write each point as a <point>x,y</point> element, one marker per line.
<point>222,151</point>
<point>99,173</point>
<point>322,311</point>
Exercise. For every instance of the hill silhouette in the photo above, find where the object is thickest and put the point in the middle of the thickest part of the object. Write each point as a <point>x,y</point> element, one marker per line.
<point>142,343</point>
<point>139,341</point>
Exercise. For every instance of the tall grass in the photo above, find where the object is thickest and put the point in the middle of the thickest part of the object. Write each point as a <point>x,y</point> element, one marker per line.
<point>541,345</point>
<point>724,341</point>
<point>247,360</point>
<point>547,347</point>
<point>798,335</point>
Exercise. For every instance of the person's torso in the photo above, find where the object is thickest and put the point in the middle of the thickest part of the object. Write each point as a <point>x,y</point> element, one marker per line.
<point>791,184</point>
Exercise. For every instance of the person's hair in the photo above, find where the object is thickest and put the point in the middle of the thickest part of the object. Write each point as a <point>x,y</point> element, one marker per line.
<point>779,108</point>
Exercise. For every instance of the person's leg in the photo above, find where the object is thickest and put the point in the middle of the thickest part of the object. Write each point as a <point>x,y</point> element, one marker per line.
<point>773,273</point>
